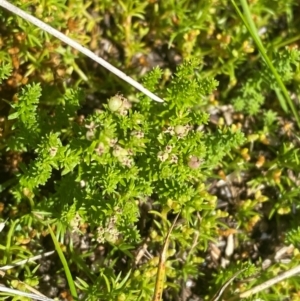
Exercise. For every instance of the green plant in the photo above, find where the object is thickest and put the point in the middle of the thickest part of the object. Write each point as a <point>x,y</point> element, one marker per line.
<point>119,157</point>
<point>111,170</point>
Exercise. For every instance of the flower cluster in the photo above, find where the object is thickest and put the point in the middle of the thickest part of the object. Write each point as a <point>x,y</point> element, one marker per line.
<point>109,233</point>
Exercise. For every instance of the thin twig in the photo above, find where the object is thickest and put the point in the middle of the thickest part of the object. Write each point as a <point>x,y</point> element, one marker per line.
<point>79,47</point>
<point>35,294</point>
<point>20,293</point>
<point>267,284</point>
<point>196,237</point>
<point>11,266</point>
<point>33,290</point>
<point>142,252</point>
<point>160,276</point>
<point>220,292</point>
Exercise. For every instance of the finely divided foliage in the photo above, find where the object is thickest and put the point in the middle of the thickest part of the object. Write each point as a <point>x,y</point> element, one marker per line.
<point>104,167</point>
<point>147,200</point>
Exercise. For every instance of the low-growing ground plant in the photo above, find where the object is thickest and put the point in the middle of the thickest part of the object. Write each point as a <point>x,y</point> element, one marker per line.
<point>103,168</point>
<point>101,173</point>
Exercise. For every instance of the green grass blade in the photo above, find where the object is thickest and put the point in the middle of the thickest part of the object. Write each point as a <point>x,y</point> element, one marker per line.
<point>286,42</point>
<point>7,254</point>
<point>248,18</point>
<point>281,99</point>
<point>65,264</point>
<point>253,31</point>
<point>248,22</point>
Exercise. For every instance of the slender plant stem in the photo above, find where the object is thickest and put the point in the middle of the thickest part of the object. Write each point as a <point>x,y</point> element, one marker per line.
<point>287,42</point>
<point>23,294</point>
<point>161,270</point>
<point>79,47</point>
<point>250,21</point>
<point>65,264</point>
<point>7,253</point>
<point>22,262</point>
<point>267,284</point>
<point>252,30</point>
<point>219,293</point>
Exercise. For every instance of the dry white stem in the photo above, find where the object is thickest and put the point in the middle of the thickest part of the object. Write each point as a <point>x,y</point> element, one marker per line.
<point>36,295</point>
<point>141,253</point>
<point>220,292</point>
<point>8,267</point>
<point>270,282</point>
<point>23,294</point>
<point>33,290</point>
<point>267,284</point>
<point>79,47</point>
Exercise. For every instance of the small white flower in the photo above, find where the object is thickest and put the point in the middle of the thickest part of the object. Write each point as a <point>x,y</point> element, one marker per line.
<point>91,126</point>
<point>169,130</point>
<point>113,142</point>
<point>53,151</point>
<point>119,151</point>
<point>182,130</point>
<point>126,161</point>
<point>130,152</point>
<point>100,149</point>
<point>126,104</point>
<point>168,148</point>
<point>138,134</point>
<point>75,222</point>
<point>162,156</point>
<point>90,135</point>
<point>123,112</point>
<point>194,162</point>
<point>174,159</point>
<point>91,130</point>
